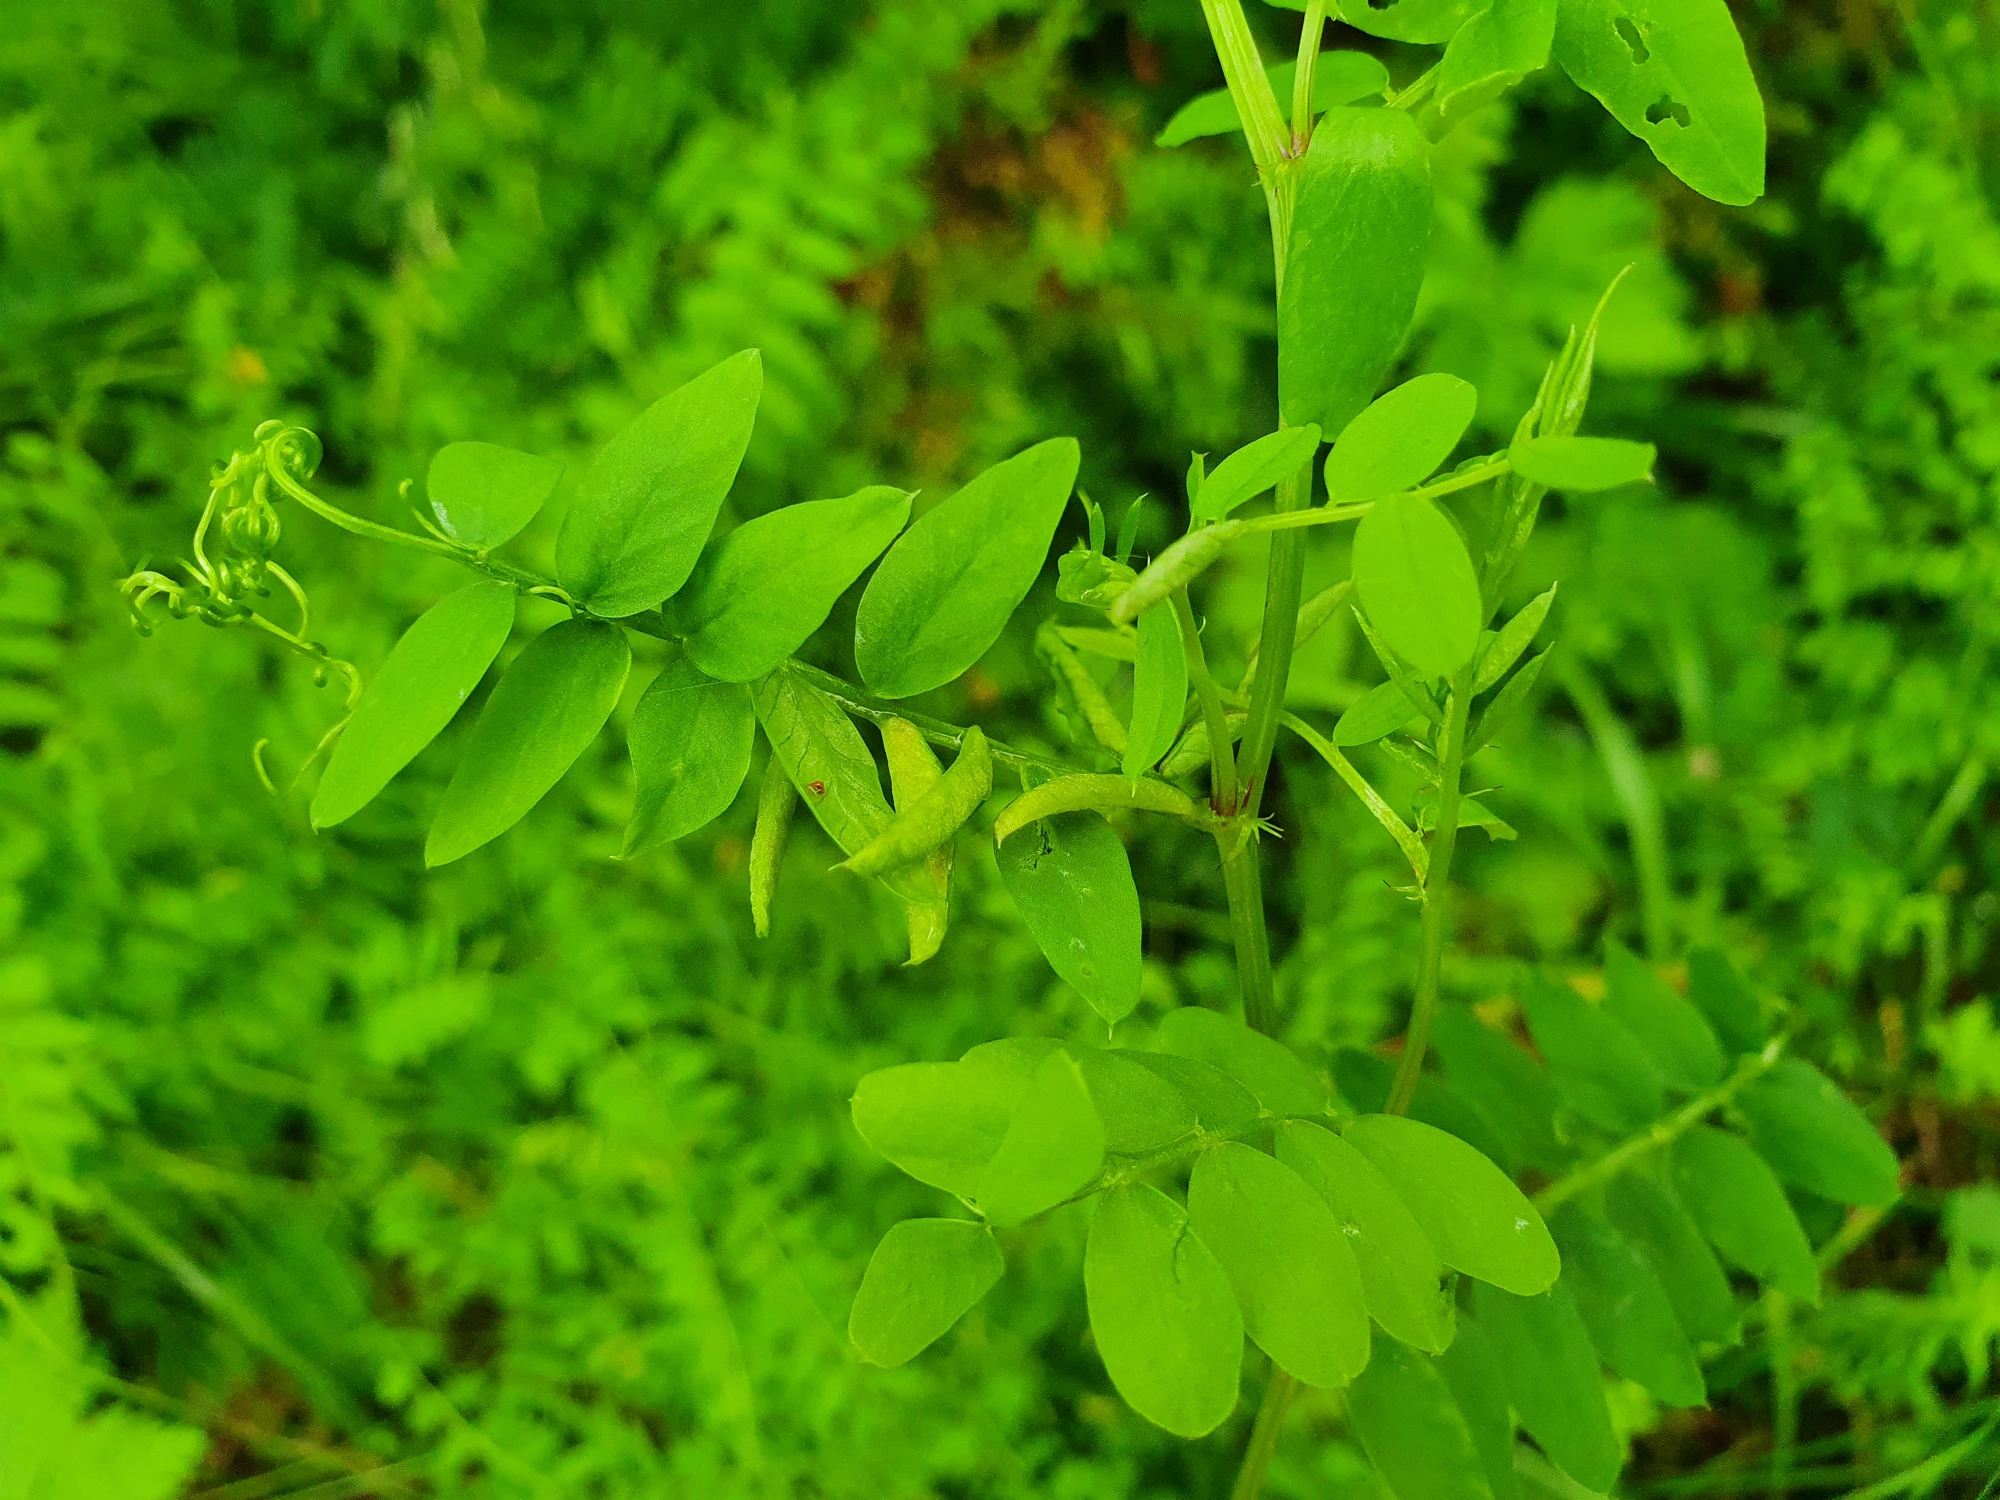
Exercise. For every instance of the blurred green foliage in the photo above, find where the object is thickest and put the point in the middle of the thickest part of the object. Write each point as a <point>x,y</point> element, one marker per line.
<point>533,1175</point>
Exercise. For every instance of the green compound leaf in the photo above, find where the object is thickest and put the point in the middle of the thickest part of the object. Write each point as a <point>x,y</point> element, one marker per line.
<point>1492,52</point>
<point>1072,883</point>
<point>1364,1081</point>
<point>1255,468</point>
<point>1473,1370</point>
<point>1054,1145</point>
<point>1288,1259</point>
<point>1719,993</point>
<point>1511,1091</point>
<point>543,714</point>
<point>691,738</point>
<point>1401,1274</point>
<point>1513,638</point>
<point>1660,1230</point>
<point>942,1122</point>
<point>1267,1067</point>
<point>1338,78</point>
<point>1674,73</point>
<point>1221,1104</point>
<point>1416,581</point>
<point>1354,263</point>
<point>1626,1308</point>
<point>428,675</point>
<point>1582,464</point>
<point>1381,711</point>
<point>924,1276</point>
<point>948,586</point>
<point>483,494</point>
<point>1141,1110</point>
<point>1400,440</point>
<point>1470,1210</point>
<point>1162,1311</point>
<point>1413,1431</point>
<point>1812,1136</point>
<point>760,592</point>
<point>1600,1068</point>
<point>1553,1380</point>
<point>1425,21</point>
<point>651,498</point>
<point>1673,1032</point>
<point>829,764</point>
<point>1159,691</point>
<point>1737,1201</point>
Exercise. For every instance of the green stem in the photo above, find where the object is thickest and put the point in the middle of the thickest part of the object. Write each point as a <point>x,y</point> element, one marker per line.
<point>1662,1132</point>
<point>1221,757</point>
<point>1437,894</point>
<point>1243,883</point>
<point>1405,837</point>
<point>1264,1436</point>
<point>1302,77</point>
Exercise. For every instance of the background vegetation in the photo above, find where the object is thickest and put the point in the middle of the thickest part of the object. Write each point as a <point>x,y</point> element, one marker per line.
<point>533,1175</point>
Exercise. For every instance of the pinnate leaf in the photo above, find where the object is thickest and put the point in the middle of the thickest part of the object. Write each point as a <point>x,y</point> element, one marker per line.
<point>1737,1201</point>
<point>1413,1431</point>
<point>925,1275</point>
<point>1812,1136</point>
<point>1417,582</point>
<point>1582,464</point>
<point>1255,468</point>
<point>1054,1145</point>
<point>483,494</point>
<point>1553,1380</point>
<point>1400,440</point>
<point>690,738</point>
<point>1072,883</point>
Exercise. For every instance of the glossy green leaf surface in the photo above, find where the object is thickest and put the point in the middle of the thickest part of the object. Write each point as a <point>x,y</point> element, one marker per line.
<point>1674,73</point>
<point>1426,21</point>
<point>543,714</point>
<point>1072,884</point>
<point>1141,1110</point>
<point>483,494</point>
<point>422,685</point>
<point>1354,263</point>
<point>1220,1103</point>
<point>1287,1257</point>
<point>1582,464</point>
<point>650,500</point>
<point>1658,1228</point>
<point>758,594</point>
<point>1416,581</point>
<point>941,1122</point>
<point>1338,78</point>
<point>1159,691</point>
<point>691,738</point>
<point>1267,1067</point>
<point>1255,468</point>
<point>1162,1312</point>
<point>1553,1380</point>
<point>1381,711</point>
<point>1401,439</point>
<point>1737,1201</point>
<point>1492,52</point>
<point>1626,1308</point>
<point>1401,1274</point>
<point>950,583</point>
<point>1412,1430</point>
<point>924,1276</point>
<point>1054,1145</point>
<point>1471,1212</point>
<point>1809,1132</point>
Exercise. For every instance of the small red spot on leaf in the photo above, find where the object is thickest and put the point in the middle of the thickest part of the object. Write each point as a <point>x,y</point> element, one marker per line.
<point>817,788</point>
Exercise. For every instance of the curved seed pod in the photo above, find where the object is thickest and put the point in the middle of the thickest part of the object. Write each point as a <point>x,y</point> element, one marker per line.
<point>777,799</point>
<point>913,771</point>
<point>1090,700</point>
<point>1174,568</point>
<point>1077,793</point>
<point>934,817</point>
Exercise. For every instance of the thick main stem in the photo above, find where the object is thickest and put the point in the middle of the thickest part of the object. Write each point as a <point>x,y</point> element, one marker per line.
<point>1437,894</point>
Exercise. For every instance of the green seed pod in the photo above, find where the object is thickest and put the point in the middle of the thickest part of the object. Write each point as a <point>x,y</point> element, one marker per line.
<point>1174,568</point>
<point>777,799</point>
<point>913,772</point>
<point>933,818</point>
<point>1077,793</point>
<point>1069,673</point>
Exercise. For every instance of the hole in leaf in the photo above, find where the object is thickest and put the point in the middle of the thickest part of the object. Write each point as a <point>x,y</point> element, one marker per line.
<point>1381,4</point>
<point>1668,108</point>
<point>1628,32</point>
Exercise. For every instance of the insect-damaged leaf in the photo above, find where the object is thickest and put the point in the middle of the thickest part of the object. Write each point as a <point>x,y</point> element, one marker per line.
<point>924,1276</point>
<point>1072,883</point>
<point>1416,581</point>
<point>758,593</point>
<point>1400,440</point>
<point>948,586</point>
<point>691,738</point>
<point>1425,21</point>
<point>1492,52</point>
<point>1287,1257</point>
<point>541,717</point>
<point>1159,691</point>
<point>483,494</point>
<point>1478,1221</point>
<point>1413,1431</point>
<point>428,675</point>
<point>1162,1311</point>
<point>1353,264</point>
<point>651,498</point>
<point>1674,73</point>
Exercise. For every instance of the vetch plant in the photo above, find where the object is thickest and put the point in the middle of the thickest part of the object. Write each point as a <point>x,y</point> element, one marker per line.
<point>1464,1249</point>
